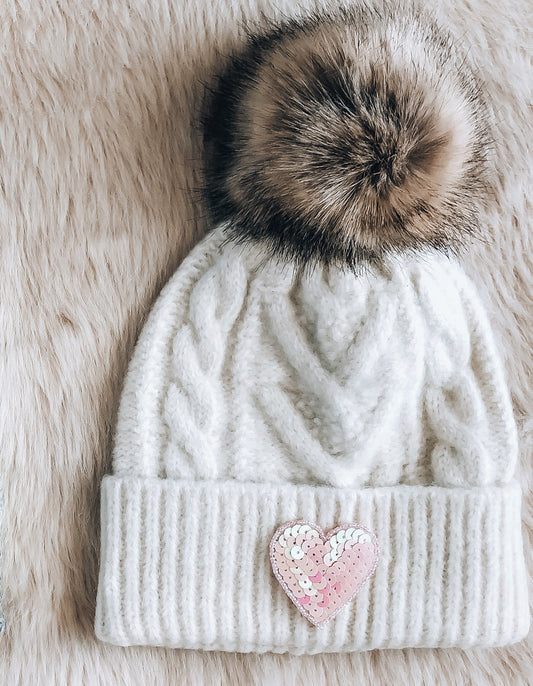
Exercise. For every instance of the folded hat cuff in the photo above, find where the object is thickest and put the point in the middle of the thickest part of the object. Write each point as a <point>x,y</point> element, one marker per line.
<point>186,564</point>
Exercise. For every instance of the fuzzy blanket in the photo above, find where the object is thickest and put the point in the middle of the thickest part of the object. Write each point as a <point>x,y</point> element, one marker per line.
<point>99,202</point>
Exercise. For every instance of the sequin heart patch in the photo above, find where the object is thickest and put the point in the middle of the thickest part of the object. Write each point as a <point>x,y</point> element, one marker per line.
<point>322,572</point>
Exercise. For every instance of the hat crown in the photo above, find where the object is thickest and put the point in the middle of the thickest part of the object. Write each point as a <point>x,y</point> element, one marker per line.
<point>325,378</point>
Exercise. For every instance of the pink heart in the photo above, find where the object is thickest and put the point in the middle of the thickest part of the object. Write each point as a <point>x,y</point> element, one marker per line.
<point>322,572</point>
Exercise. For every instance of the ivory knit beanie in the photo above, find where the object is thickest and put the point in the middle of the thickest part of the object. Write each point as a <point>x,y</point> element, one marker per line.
<point>315,448</point>
<point>256,397</point>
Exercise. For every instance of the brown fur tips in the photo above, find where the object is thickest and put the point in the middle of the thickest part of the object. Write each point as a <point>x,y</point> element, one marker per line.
<point>342,138</point>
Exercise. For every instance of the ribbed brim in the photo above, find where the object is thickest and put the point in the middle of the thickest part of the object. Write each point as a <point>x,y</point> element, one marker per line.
<point>186,564</point>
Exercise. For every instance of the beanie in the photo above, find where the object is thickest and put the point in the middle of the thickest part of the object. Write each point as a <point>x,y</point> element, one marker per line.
<point>315,448</point>
<point>272,417</point>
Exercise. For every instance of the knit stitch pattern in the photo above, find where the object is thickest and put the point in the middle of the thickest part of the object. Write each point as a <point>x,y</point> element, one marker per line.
<point>257,395</point>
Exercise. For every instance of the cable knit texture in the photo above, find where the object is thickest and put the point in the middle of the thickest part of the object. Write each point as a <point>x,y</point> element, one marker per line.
<point>257,396</point>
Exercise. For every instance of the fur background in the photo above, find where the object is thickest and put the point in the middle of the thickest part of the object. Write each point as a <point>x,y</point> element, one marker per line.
<point>99,171</point>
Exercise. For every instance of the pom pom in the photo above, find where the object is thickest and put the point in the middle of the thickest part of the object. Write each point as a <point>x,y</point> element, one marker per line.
<point>343,138</point>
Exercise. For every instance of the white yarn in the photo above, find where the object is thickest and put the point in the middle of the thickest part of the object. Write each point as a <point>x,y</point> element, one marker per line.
<point>340,380</point>
<point>257,396</point>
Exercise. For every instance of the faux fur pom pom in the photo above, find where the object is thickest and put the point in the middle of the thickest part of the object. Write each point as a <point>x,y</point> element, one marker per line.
<point>343,138</point>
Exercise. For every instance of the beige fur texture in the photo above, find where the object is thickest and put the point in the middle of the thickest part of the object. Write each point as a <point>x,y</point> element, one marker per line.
<point>99,202</point>
<point>364,132</point>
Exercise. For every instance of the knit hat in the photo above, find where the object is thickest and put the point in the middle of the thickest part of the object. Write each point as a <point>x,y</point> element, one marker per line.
<point>315,449</point>
<point>263,402</point>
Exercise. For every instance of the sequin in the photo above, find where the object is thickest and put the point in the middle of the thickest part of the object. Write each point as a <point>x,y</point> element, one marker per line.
<point>307,545</point>
<point>297,553</point>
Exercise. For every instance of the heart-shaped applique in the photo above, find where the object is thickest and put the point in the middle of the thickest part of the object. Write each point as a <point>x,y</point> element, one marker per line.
<point>322,572</point>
